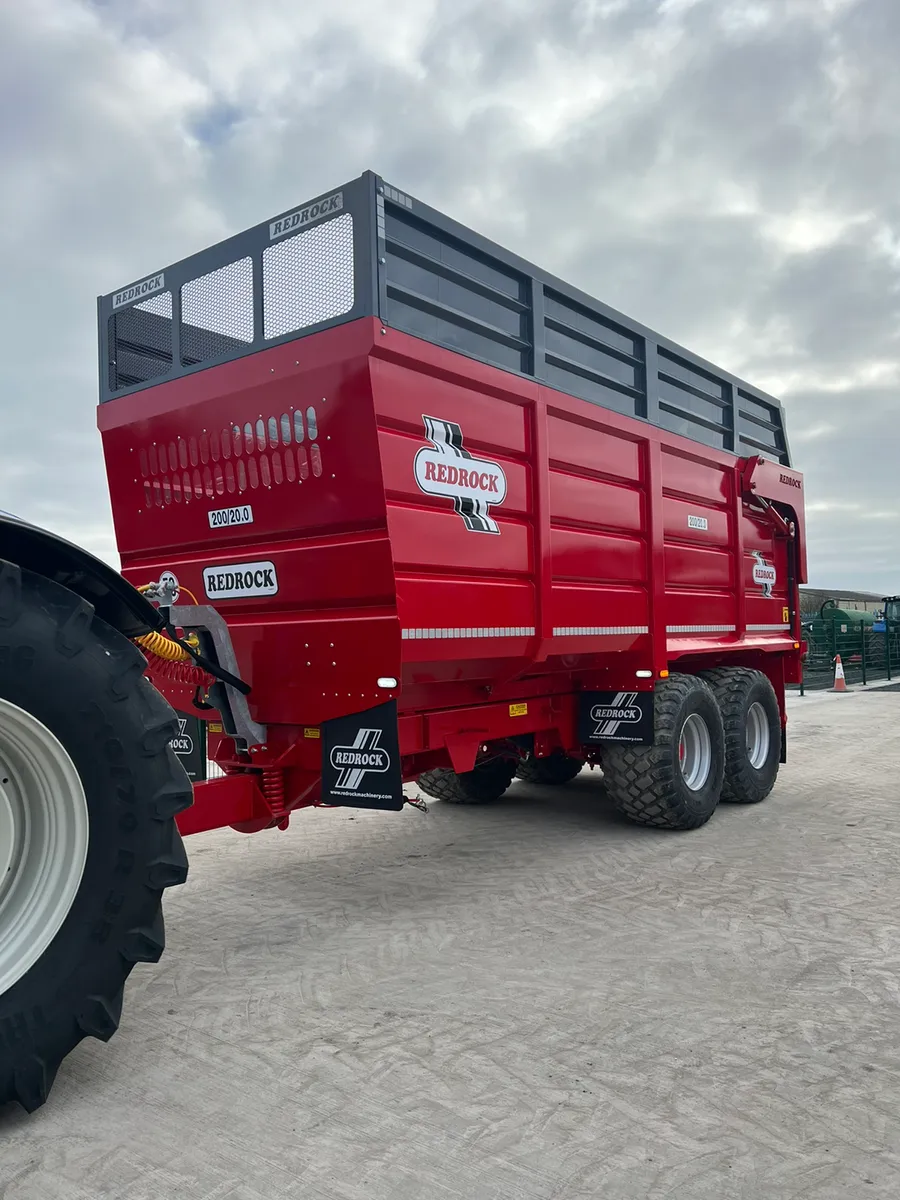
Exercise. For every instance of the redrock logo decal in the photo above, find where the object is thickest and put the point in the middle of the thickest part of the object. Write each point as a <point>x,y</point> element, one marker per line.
<point>764,574</point>
<point>446,468</point>
<point>356,761</point>
<point>138,291</point>
<point>306,216</point>
<point>608,712</point>
<point>623,711</point>
<point>244,579</point>
<point>182,743</point>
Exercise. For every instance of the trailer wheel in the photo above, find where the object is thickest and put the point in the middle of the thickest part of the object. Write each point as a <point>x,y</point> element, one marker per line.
<point>557,768</point>
<point>752,732</point>
<point>676,782</point>
<point>487,782</point>
<point>89,790</point>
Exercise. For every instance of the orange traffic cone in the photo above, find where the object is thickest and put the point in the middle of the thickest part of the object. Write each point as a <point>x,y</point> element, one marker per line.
<point>840,683</point>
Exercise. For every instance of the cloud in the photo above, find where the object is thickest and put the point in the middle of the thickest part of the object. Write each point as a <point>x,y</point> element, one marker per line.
<point>723,170</point>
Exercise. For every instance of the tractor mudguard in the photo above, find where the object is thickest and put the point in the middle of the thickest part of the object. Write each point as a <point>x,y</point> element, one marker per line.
<point>113,598</point>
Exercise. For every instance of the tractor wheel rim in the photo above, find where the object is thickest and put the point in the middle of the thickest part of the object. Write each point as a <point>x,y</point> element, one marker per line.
<point>758,737</point>
<point>695,752</point>
<point>44,826</point>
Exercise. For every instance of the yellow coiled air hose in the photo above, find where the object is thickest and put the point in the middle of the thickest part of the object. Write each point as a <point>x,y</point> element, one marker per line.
<point>162,646</point>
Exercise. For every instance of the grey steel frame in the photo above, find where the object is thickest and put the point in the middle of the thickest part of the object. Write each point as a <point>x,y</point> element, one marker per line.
<point>386,225</point>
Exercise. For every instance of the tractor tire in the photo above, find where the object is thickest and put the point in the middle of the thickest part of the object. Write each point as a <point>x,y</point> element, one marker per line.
<point>89,791</point>
<point>487,782</point>
<point>676,782</point>
<point>556,769</point>
<point>752,732</point>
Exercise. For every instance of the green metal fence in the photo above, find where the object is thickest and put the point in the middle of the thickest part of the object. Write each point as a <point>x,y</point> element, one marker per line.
<point>867,653</point>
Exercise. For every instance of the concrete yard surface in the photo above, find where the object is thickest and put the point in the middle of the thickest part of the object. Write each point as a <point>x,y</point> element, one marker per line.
<point>526,1001</point>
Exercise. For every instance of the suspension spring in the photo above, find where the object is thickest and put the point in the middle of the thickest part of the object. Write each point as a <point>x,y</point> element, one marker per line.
<point>273,790</point>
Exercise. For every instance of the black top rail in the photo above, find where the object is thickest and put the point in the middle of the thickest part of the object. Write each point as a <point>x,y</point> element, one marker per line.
<point>368,249</point>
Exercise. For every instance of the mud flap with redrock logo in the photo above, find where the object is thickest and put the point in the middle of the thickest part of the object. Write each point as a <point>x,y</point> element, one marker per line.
<point>615,717</point>
<point>361,760</point>
<point>190,746</point>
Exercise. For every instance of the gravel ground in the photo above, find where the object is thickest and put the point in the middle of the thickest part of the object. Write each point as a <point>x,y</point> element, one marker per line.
<point>527,1001</point>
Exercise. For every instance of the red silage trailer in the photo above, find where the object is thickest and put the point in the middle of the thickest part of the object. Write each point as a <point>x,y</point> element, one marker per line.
<point>402,507</point>
<point>449,520</point>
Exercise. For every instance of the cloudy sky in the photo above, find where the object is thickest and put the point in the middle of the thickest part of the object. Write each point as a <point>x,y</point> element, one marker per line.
<point>725,171</point>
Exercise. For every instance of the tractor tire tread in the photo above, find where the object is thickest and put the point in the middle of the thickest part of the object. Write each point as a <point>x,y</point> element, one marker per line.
<point>119,920</point>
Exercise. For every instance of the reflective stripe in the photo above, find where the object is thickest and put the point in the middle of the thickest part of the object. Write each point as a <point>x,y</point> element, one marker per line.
<point>700,628</point>
<point>507,631</point>
<point>597,630</point>
<point>412,635</point>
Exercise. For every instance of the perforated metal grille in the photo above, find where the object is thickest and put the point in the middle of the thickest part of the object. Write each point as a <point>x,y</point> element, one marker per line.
<point>217,313</point>
<point>308,278</point>
<point>160,306</point>
<point>140,342</point>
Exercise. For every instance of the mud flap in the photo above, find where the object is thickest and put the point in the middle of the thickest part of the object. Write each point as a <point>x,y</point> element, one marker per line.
<point>361,760</point>
<point>615,717</point>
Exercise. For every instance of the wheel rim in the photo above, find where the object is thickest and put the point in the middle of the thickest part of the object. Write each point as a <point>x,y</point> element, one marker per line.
<point>758,737</point>
<point>695,752</point>
<point>43,840</point>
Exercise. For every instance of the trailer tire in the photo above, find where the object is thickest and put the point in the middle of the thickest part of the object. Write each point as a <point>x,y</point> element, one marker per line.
<point>554,770</point>
<point>487,782</point>
<point>86,768</point>
<point>676,782</point>
<point>752,732</point>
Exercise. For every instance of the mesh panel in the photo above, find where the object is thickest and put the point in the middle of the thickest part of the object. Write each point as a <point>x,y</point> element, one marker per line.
<point>140,342</point>
<point>160,306</point>
<point>217,313</point>
<point>308,278</point>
